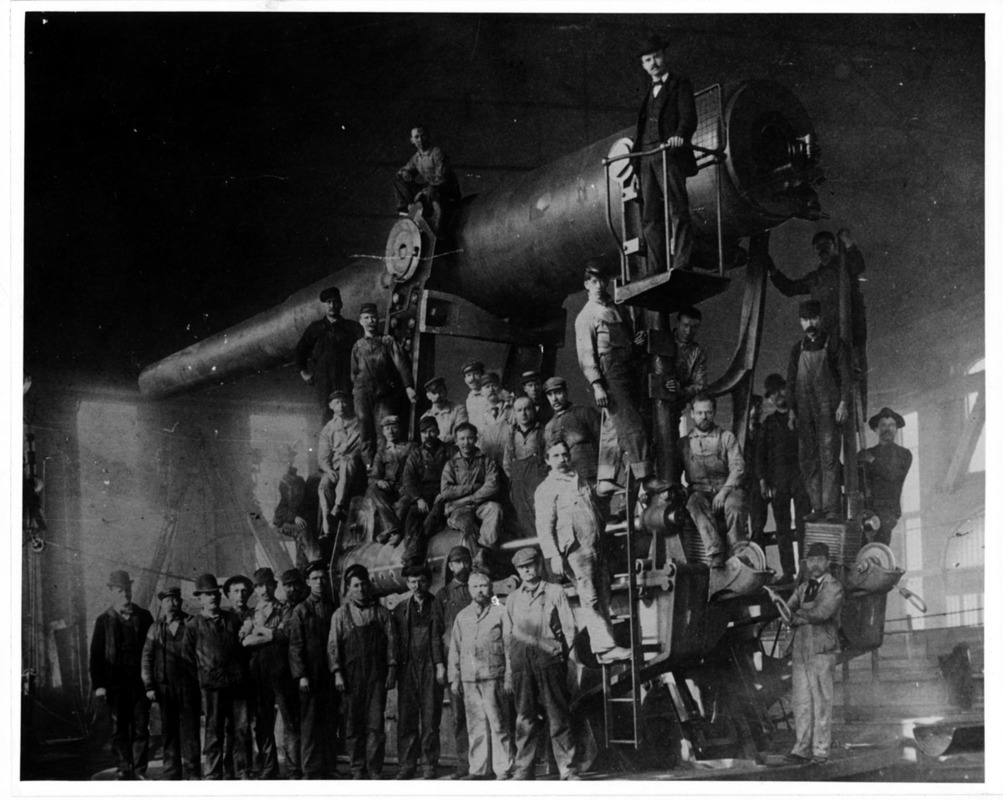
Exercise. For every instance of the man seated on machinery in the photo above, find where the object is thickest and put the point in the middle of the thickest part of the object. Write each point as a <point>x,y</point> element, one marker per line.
<point>712,460</point>
<point>386,482</point>
<point>422,481</point>
<point>445,412</point>
<point>427,178</point>
<point>339,458</point>
<point>471,490</point>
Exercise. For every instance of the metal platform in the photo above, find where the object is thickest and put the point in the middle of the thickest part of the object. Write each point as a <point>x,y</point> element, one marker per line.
<point>670,291</point>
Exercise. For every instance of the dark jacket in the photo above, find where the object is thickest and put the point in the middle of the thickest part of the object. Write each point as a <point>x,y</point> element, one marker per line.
<point>453,598</point>
<point>886,475</point>
<point>402,616</point>
<point>213,647</point>
<point>678,117</point>
<point>777,453</point>
<point>164,665</point>
<point>272,658</point>
<point>816,622</point>
<point>117,648</point>
<point>309,629</point>
<point>325,351</point>
<point>423,471</point>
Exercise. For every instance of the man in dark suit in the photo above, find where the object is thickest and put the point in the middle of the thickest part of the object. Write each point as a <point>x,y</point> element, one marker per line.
<point>668,115</point>
<point>116,676</point>
<point>885,467</point>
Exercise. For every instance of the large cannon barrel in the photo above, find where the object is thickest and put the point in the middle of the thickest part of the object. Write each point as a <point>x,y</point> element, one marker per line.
<point>520,247</point>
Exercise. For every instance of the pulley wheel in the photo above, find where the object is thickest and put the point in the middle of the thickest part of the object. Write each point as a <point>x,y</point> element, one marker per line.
<point>877,553</point>
<point>404,250</point>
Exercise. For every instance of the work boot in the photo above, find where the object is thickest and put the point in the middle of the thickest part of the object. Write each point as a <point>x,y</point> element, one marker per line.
<point>613,655</point>
<point>395,538</point>
<point>814,516</point>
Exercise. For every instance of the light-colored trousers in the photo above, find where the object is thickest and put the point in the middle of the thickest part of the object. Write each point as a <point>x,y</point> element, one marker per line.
<point>488,727</point>
<point>812,700</point>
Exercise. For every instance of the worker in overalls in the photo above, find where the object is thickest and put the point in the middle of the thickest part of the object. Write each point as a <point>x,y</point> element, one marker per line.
<point>819,371</point>
<point>379,371</point>
<point>525,463</point>
<point>606,344</point>
<point>362,654</point>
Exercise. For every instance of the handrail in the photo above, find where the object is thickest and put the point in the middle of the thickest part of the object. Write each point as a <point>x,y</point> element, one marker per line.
<point>660,149</point>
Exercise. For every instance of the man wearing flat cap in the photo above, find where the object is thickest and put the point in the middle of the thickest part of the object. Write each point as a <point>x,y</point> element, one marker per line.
<point>885,468</point>
<point>421,482</point>
<point>362,654</point>
<point>170,681</point>
<point>309,628</point>
<point>445,412</point>
<point>473,377</point>
<point>819,374</point>
<point>386,482</point>
<point>324,351</point>
<point>339,458</point>
<point>606,345</point>
<point>815,607</point>
<point>381,376</point>
<point>532,387</point>
<point>668,115</point>
<point>422,671</point>
<point>541,632</point>
<point>578,426</point>
<point>267,643</point>
<point>212,646</point>
<point>116,676</point>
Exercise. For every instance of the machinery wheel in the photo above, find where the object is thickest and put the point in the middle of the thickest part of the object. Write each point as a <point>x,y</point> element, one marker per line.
<point>877,553</point>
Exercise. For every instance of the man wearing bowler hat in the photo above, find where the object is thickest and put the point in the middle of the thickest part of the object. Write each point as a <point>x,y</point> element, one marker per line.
<point>116,676</point>
<point>819,374</point>
<point>170,681</point>
<point>212,646</point>
<point>577,425</point>
<point>309,628</point>
<point>668,116</point>
<point>445,412</point>
<point>815,607</point>
<point>885,468</point>
<point>323,355</point>
<point>541,632</point>
<point>381,375</point>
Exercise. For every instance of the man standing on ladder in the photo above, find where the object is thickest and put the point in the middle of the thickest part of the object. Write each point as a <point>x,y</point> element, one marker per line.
<point>668,115</point>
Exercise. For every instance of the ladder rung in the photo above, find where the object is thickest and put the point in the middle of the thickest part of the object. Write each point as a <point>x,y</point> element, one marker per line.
<point>624,741</point>
<point>632,246</point>
<point>620,700</point>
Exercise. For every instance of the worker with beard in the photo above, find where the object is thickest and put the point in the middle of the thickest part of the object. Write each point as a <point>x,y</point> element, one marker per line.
<point>780,475</point>
<point>885,468</point>
<point>714,469</point>
<point>815,607</point>
<point>689,367</point>
<point>578,426</point>
<point>819,371</point>
<point>454,597</point>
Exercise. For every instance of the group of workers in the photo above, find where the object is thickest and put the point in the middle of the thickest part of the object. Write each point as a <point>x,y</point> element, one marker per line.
<point>532,464</point>
<point>223,676</point>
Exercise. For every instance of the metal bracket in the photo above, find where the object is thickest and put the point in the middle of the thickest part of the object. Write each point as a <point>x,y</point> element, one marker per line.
<point>445,314</point>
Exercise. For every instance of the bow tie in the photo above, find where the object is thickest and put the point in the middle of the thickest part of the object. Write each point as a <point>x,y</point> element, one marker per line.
<point>812,591</point>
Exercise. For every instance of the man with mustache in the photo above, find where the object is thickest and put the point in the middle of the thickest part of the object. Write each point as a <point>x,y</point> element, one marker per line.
<point>885,468</point>
<point>819,371</point>
<point>815,607</point>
